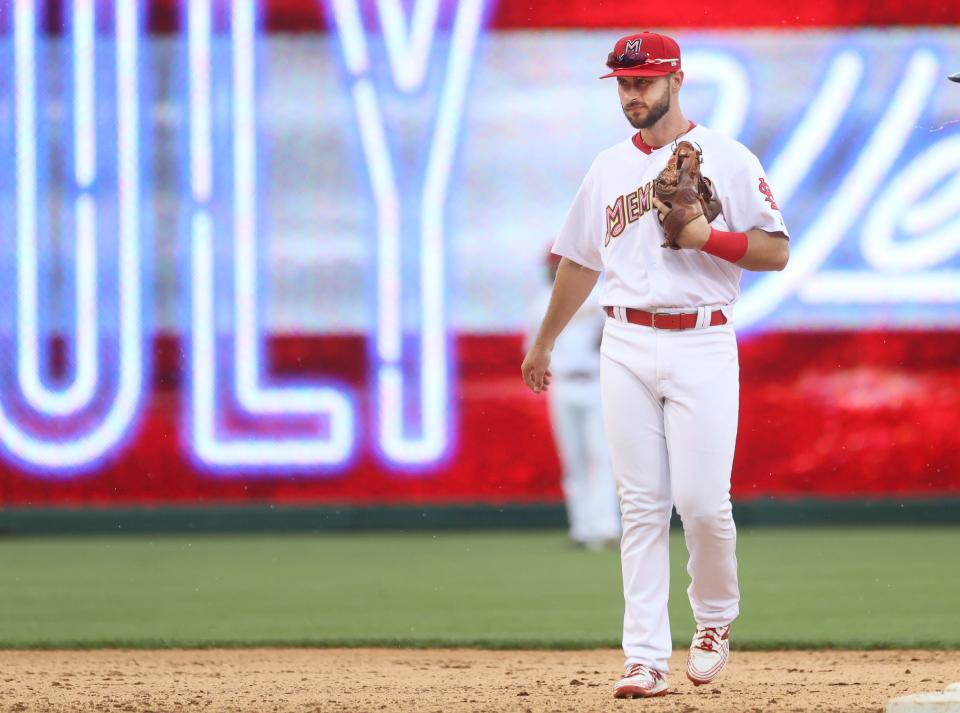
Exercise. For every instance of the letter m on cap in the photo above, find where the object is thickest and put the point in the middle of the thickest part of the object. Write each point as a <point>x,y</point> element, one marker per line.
<point>632,47</point>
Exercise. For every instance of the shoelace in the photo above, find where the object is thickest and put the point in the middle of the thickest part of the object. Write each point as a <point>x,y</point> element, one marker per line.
<point>639,668</point>
<point>706,638</point>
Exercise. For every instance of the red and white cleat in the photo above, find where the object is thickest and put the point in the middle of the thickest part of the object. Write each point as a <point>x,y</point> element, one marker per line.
<point>709,654</point>
<point>641,681</point>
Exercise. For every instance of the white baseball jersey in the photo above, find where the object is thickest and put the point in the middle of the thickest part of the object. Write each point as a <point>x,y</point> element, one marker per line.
<point>612,225</point>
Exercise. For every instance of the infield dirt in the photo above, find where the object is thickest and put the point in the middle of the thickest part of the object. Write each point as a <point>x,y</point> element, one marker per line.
<point>307,680</point>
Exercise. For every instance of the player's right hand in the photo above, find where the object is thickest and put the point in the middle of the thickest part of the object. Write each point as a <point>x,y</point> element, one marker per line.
<point>536,368</point>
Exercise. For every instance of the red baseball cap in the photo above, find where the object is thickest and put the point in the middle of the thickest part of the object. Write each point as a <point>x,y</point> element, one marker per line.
<point>552,258</point>
<point>646,54</point>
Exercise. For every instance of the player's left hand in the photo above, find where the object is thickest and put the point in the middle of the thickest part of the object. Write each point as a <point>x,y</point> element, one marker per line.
<point>683,197</point>
<point>694,234</point>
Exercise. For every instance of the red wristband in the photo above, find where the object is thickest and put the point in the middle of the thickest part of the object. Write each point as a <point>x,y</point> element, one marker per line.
<point>728,246</point>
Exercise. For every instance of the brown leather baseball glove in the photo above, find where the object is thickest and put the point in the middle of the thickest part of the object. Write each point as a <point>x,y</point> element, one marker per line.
<point>687,192</point>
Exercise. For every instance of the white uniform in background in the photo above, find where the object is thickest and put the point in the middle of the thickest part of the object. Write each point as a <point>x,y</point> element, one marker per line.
<point>670,398</point>
<point>577,420</point>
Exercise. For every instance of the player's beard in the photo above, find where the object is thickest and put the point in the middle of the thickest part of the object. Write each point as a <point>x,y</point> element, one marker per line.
<point>654,113</point>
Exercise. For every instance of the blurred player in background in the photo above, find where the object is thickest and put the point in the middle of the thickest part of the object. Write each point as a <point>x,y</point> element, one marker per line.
<point>577,419</point>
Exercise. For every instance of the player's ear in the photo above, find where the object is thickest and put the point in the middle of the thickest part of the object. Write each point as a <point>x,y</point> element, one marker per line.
<point>676,80</point>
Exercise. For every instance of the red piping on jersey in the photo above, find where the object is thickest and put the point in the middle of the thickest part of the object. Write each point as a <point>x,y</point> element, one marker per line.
<point>647,148</point>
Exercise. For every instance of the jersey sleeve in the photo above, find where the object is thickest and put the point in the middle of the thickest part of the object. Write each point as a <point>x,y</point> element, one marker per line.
<point>579,238</point>
<point>748,200</point>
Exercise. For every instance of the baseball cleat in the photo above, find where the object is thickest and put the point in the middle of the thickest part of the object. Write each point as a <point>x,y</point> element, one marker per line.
<point>709,654</point>
<point>641,681</point>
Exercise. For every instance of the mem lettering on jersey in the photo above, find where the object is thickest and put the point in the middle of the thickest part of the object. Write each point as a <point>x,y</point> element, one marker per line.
<point>627,209</point>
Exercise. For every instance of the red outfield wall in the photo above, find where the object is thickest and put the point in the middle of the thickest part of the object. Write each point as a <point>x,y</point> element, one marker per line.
<point>312,15</point>
<point>824,414</point>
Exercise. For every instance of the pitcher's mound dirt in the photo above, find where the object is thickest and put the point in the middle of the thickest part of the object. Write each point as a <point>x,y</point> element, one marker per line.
<point>307,680</point>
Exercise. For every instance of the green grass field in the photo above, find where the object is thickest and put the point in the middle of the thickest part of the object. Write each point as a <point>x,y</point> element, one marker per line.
<point>837,587</point>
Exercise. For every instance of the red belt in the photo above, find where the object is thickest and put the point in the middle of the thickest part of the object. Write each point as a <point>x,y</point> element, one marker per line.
<point>663,320</point>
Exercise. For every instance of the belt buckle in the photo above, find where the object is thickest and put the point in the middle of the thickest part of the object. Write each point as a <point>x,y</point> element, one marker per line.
<point>654,321</point>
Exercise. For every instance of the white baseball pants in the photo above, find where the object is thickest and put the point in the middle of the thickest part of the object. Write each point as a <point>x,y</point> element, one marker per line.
<point>588,484</point>
<point>670,404</point>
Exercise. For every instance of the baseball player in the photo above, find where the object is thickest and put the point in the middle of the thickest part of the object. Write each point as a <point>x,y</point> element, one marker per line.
<point>669,371</point>
<point>577,420</point>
